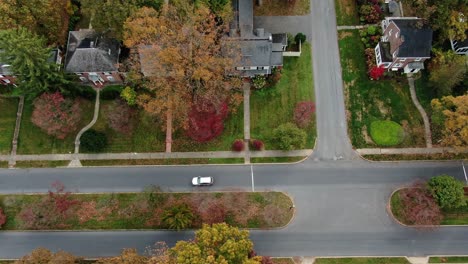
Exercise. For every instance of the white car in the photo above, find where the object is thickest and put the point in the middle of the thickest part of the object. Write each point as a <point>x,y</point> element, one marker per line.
<point>202,181</point>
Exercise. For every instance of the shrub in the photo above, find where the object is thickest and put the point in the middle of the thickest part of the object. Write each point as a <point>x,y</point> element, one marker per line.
<point>447,191</point>
<point>288,137</point>
<point>93,141</point>
<point>56,115</point>
<point>370,13</point>
<point>291,40</point>
<point>274,77</point>
<point>300,37</point>
<point>386,133</point>
<point>376,72</point>
<point>215,213</point>
<point>120,116</point>
<point>78,90</point>
<point>129,95</point>
<point>178,217</point>
<point>238,145</point>
<point>259,81</point>
<point>257,144</point>
<point>206,121</point>
<point>111,92</point>
<point>2,218</point>
<point>303,113</point>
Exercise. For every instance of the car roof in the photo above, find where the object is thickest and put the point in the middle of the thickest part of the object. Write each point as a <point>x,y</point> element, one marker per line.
<point>205,179</point>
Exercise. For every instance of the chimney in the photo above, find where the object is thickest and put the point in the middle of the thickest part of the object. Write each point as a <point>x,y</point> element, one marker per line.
<point>91,44</point>
<point>260,32</point>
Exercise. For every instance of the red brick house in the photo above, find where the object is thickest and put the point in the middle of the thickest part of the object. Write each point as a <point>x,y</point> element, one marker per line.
<point>405,45</point>
<point>94,58</point>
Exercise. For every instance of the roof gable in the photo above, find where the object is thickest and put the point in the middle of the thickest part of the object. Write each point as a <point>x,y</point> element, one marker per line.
<point>415,39</point>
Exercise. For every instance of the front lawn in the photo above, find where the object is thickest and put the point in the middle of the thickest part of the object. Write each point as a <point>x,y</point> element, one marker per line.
<point>32,140</point>
<point>368,101</point>
<point>271,107</point>
<point>8,109</point>
<point>448,259</point>
<point>282,8</point>
<point>143,210</point>
<point>361,261</point>
<point>346,13</point>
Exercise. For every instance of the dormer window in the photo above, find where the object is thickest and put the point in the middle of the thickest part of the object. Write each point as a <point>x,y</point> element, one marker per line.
<point>396,34</point>
<point>390,32</point>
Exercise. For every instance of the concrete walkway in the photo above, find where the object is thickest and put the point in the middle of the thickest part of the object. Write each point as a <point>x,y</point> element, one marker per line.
<point>76,161</point>
<point>246,88</point>
<point>427,125</point>
<point>158,155</point>
<point>14,145</point>
<point>355,27</point>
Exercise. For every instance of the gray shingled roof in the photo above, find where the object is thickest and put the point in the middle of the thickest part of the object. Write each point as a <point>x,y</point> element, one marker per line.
<point>417,38</point>
<point>88,51</point>
<point>4,70</point>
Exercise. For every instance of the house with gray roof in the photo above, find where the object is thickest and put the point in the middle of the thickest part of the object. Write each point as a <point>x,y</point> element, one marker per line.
<point>93,57</point>
<point>460,46</point>
<point>405,45</point>
<point>260,50</point>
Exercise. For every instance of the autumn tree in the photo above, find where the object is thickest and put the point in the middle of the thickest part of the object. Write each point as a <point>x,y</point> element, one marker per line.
<point>451,115</point>
<point>108,15</point>
<point>303,113</point>
<point>219,243</point>
<point>128,256</point>
<point>206,121</point>
<point>56,115</point>
<point>47,18</point>
<point>2,218</point>
<point>28,56</point>
<point>186,62</point>
<point>446,70</point>
<point>45,256</point>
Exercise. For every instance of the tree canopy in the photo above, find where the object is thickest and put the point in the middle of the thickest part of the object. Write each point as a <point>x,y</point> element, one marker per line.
<point>185,60</point>
<point>447,191</point>
<point>447,69</point>
<point>28,57</point>
<point>48,18</point>
<point>453,115</point>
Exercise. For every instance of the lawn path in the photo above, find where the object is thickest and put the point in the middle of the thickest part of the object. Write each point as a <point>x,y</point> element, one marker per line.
<point>427,126</point>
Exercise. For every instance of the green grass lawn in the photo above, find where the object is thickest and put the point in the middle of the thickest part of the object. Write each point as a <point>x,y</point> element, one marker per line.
<point>144,210</point>
<point>346,13</point>
<point>282,261</point>
<point>361,261</point>
<point>282,8</point>
<point>274,106</point>
<point>32,140</point>
<point>8,109</point>
<point>448,259</point>
<point>369,101</point>
<point>161,162</point>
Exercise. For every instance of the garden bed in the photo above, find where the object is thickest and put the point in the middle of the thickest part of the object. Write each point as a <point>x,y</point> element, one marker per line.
<point>457,216</point>
<point>346,13</point>
<point>361,261</point>
<point>282,8</point>
<point>146,210</point>
<point>368,101</point>
<point>8,109</point>
<point>273,106</point>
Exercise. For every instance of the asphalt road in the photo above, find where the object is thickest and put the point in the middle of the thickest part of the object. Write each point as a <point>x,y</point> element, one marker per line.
<point>341,207</point>
<point>333,141</point>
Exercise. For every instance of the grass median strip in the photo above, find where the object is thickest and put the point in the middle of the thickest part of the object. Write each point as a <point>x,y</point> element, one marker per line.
<point>8,108</point>
<point>150,209</point>
<point>361,261</point>
<point>448,259</point>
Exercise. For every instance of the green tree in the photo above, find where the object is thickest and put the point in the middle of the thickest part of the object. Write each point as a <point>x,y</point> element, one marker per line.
<point>28,56</point>
<point>288,137</point>
<point>219,243</point>
<point>129,95</point>
<point>108,15</point>
<point>93,141</point>
<point>178,217</point>
<point>447,69</point>
<point>47,18</point>
<point>447,191</point>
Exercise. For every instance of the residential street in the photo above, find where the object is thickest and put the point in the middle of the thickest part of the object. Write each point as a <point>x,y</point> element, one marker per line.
<point>340,207</point>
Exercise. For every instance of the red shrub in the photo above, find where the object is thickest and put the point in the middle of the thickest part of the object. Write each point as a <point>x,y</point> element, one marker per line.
<point>2,218</point>
<point>238,145</point>
<point>303,113</point>
<point>215,213</point>
<point>206,121</point>
<point>257,145</point>
<point>56,115</point>
<point>376,72</point>
<point>419,207</point>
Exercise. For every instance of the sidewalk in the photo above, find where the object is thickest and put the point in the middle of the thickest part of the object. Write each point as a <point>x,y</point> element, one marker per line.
<point>355,27</point>
<point>408,151</point>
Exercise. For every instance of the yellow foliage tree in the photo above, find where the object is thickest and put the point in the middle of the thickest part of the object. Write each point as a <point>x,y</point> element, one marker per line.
<point>184,60</point>
<point>454,112</point>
